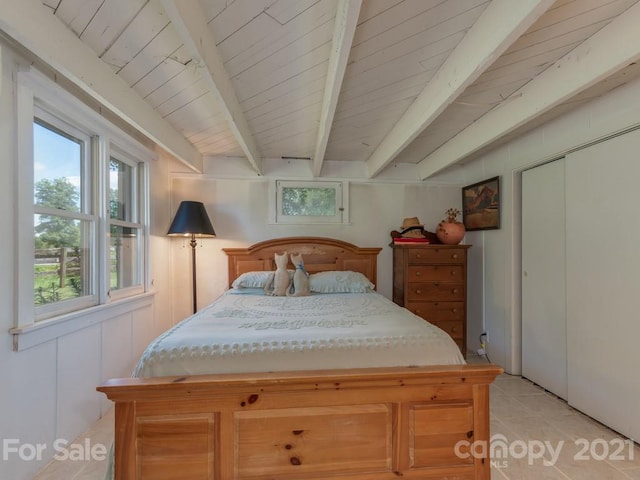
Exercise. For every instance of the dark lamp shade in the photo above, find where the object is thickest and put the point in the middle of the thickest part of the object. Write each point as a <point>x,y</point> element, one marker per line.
<point>191,219</point>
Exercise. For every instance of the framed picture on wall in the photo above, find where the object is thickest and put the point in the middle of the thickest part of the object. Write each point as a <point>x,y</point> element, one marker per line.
<point>481,205</point>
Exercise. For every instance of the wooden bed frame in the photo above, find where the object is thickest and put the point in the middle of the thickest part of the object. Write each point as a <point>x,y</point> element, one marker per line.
<point>357,424</point>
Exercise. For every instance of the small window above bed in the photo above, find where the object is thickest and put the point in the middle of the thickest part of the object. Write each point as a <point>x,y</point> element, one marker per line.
<point>310,202</point>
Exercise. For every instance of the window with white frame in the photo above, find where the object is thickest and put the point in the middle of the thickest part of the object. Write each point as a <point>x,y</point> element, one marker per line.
<point>64,221</point>
<point>310,202</point>
<point>126,230</point>
<point>89,189</point>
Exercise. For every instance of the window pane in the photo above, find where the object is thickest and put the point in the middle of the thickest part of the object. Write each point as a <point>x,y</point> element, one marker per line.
<point>123,257</point>
<point>61,263</point>
<point>121,188</point>
<point>57,169</point>
<point>309,201</point>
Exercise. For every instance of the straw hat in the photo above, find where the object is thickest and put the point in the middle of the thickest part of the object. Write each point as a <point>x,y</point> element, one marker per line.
<point>411,222</point>
<point>411,228</point>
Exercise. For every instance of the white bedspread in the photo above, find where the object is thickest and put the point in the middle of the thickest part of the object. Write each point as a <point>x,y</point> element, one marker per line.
<point>257,333</point>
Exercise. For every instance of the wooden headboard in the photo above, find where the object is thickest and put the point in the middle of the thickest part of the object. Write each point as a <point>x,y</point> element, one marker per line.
<point>319,254</point>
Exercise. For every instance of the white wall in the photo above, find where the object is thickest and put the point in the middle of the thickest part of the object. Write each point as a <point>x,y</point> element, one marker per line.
<point>495,272</point>
<point>48,391</point>
<point>238,209</point>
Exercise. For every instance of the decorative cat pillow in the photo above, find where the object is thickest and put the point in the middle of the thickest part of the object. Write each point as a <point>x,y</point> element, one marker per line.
<point>300,278</point>
<point>279,282</point>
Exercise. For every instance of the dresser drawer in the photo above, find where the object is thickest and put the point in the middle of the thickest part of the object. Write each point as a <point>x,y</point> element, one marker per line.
<point>437,311</point>
<point>435,291</point>
<point>454,329</point>
<point>436,255</point>
<point>435,273</point>
<point>431,282</point>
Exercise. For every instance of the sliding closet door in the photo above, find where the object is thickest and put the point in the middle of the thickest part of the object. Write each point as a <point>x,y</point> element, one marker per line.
<point>544,339</point>
<point>603,281</point>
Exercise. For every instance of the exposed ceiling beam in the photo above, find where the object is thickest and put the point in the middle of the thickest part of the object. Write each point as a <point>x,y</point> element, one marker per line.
<point>189,20</point>
<point>345,27</point>
<point>32,25</point>
<point>501,24</point>
<point>607,51</point>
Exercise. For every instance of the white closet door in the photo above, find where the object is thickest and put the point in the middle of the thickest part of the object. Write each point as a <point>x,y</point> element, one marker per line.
<point>544,334</point>
<point>603,281</point>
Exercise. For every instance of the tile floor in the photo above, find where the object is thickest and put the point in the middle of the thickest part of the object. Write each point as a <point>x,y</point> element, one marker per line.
<point>527,416</point>
<point>521,412</point>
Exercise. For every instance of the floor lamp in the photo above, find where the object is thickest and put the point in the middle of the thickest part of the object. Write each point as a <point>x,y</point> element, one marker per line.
<point>192,220</point>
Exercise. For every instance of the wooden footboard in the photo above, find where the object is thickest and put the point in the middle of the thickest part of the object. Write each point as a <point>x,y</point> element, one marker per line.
<point>362,424</point>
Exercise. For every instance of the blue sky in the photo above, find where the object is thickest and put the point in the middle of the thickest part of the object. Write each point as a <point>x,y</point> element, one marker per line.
<point>55,157</point>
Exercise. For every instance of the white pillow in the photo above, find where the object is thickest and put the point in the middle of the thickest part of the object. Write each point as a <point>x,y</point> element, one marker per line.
<point>254,279</point>
<point>339,282</point>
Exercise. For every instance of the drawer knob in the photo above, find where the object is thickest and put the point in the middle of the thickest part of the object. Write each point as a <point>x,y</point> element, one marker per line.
<point>417,274</point>
<point>454,329</point>
<point>418,291</point>
<point>455,290</point>
<point>417,311</point>
<point>454,310</point>
<point>453,272</point>
<point>418,255</point>
<point>455,255</point>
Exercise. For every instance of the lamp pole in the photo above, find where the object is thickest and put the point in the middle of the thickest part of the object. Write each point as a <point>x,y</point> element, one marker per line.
<point>193,244</point>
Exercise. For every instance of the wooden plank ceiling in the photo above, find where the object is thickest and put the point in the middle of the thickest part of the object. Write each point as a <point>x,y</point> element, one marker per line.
<point>425,82</point>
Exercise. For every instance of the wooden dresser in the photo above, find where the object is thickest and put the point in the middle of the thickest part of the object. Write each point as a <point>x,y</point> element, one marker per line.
<point>431,281</point>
